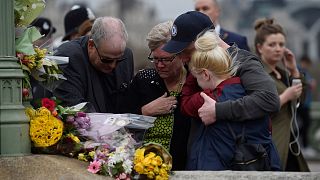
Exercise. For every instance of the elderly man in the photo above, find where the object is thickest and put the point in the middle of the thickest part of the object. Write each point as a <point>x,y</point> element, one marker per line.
<point>99,69</point>
<point>212,9</point>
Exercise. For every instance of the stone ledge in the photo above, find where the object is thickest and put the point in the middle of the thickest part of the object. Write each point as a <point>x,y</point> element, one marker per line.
<point>54,167</point>
<point>45,167</point>
<point>244,175</point>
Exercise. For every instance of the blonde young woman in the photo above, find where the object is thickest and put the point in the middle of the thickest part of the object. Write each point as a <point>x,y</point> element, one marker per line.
<point>214,146</point>
<point>270,45</point>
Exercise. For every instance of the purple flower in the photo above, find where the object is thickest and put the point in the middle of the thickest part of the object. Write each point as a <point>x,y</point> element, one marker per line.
<point>100,155</point>
<point>76,124</point>
<point>70,119</point>
<point>81,114</point>
<point>83,132</point>
<point>86,126</point>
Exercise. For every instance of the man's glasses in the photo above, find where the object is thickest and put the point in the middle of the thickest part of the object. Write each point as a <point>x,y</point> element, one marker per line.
<point>107,60</point>
<point>165,61</point>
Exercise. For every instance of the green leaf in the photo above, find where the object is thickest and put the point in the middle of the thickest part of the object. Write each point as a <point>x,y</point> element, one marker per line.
<point>27,10</point>
<point>24,43</point>
<point>25,68</point>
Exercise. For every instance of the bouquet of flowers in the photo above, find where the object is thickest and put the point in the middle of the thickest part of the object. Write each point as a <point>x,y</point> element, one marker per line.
<point>34,61</point>
<point>98,138</point>
<point>45,128</point>
<point>112,155</point>
<point>152,160</point>
<point>55,129</point>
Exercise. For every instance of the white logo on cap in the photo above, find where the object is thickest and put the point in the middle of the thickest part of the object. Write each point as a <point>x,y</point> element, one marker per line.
<point>174,30</point>
<point>45,26</point>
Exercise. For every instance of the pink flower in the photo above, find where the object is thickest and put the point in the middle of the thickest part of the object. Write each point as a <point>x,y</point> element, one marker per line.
<point>94,167</point>
<point>123,176</point>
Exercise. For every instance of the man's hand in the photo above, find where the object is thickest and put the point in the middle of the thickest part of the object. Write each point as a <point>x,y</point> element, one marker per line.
<point>207,112</point>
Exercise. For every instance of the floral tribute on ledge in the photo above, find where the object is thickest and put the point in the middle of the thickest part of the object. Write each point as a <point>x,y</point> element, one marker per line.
<point>36,61</point>
<point>101,139</point>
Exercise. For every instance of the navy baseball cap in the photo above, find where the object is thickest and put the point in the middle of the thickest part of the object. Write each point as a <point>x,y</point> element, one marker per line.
<point>44,25</point>
<point>74,18</point>
<point>185,29</point>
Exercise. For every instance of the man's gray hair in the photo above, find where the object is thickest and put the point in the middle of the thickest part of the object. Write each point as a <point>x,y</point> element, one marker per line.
<point>159,34</point>
<point>106,28</point>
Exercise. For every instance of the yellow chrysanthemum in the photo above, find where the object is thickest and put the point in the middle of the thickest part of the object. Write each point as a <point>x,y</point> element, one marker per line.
<point>150,155</point>
<point>157,161</point>
<point>146,161</point>
<point>139,168</point>
<point>82,157</point>
<point>45,130</point>
<point>92,153</point>
<point>73,137</point>
<point>139,155</point>
<point>150,175</point>
<point>153,161</point>
<point>43,112</point>
<point>30,112</point>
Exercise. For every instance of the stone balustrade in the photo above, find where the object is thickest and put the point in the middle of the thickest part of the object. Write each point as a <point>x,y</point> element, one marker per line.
<point>54,167</point>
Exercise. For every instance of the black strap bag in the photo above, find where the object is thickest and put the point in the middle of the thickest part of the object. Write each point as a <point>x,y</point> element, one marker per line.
<point>247,156</point>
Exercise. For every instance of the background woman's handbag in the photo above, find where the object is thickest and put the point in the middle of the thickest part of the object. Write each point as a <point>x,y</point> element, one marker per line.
<point>247,156</point>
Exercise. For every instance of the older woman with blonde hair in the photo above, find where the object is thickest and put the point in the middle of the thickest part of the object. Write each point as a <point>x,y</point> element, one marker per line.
<point>156,92</point>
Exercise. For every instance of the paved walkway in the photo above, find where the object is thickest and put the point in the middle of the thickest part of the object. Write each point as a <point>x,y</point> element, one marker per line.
<point>314,165</point>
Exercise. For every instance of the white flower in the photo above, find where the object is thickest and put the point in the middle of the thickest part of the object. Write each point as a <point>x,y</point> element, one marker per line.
<point>111,162</point>
<point>25,8</point>
<point>127,166</point>
<point>34,6</point>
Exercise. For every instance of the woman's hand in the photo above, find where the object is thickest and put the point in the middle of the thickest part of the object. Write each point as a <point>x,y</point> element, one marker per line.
<point>290,63</point>
<point>161,105</point>
<point>291,93</point>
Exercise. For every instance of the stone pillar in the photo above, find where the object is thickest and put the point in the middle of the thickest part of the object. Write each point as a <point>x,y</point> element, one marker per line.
<point>14,126</point>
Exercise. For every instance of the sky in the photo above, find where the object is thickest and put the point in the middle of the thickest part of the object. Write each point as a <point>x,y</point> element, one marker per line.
<point>167,9</point>
<point>170,9</point>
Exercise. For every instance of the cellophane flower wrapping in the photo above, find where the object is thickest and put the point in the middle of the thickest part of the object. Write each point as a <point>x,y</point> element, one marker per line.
<point>113,144</point>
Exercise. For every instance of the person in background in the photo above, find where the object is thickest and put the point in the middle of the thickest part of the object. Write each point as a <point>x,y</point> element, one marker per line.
<point>214,148</point>
<point>305,106</point>
<point>77,22</point>
<point>46,29</point>
<point>261,99</point>
<point>270,46</point>
<point>100,67</point>
<point>156,92</point>
<point>212,9</point>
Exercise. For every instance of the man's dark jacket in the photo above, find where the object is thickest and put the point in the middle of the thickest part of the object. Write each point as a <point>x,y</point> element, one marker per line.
<point>86,84</point>
<point>231,37</point>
